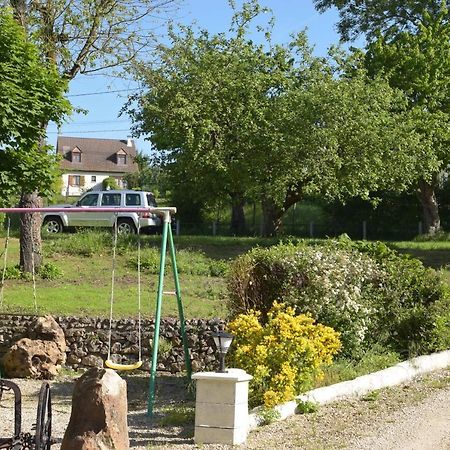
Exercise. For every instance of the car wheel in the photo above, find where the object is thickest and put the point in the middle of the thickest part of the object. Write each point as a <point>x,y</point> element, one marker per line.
<point>53,225</point>
<point>125,227</point>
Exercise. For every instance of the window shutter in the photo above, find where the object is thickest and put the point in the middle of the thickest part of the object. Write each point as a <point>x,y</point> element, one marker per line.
<point>82,181</point>
<point>70,180</point>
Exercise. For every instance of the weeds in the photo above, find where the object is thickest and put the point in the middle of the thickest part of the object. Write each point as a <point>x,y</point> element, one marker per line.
<point>371,396</point>
<point>306,407</point>
<point>266,415</point>
<point>176,416</point>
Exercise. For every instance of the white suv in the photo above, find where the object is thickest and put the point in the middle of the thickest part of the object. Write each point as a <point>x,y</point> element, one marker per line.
<point>127,222</point>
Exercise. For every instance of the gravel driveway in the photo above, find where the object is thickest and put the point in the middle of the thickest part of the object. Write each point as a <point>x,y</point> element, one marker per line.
<point>407,417</point>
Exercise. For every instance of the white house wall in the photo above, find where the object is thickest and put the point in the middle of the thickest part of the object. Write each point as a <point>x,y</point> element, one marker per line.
<point>72,191</point>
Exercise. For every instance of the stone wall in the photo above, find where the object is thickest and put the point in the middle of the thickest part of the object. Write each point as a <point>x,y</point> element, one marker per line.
<point>87,340</point>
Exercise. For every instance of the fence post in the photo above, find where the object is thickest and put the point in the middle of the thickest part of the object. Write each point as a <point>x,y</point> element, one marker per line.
<point>214,228</point>
<point>420,229</point>
<point>311,229</point>
<point>177,227</point>
<point>364,230</point>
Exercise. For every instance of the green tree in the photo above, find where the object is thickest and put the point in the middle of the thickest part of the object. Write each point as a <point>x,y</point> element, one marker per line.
<point>410,42</point>
<point>272,123</point>
<point>84,37</point>
<point>149,176</point>
<point>31,94</point>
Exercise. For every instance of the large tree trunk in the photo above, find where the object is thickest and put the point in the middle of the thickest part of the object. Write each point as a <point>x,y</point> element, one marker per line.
<point>237,224</point>
<point>273,213</point>
<point>30,234</point>
<point>430,207</point>
<point>271,217</point>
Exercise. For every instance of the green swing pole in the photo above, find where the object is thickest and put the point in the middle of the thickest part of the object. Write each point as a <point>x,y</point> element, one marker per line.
<point>187,359</point>
<point>151,397</point>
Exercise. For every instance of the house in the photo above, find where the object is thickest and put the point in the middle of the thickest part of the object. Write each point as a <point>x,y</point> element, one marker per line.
<point>86,162</point>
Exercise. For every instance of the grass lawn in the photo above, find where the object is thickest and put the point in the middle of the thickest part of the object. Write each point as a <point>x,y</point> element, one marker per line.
<point>86,262</point>
<point>434,254</point>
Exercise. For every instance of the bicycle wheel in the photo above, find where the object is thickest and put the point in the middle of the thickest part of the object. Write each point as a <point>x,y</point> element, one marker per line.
<point>43,437</point>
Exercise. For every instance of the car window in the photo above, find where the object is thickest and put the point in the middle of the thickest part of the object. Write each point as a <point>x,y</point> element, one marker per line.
<point>89,200</point>
<point>151,200</point>
<point>111,200</point>
<point>133,200</point>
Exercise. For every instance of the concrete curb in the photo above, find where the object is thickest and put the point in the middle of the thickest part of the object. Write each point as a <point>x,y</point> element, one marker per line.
<point>391,376</point>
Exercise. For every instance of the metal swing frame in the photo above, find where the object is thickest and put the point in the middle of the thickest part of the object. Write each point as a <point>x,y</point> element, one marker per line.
<point>167,239</point>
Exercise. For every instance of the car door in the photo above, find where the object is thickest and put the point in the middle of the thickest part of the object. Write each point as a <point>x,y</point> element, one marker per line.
<point>84,219</point>
<point>108,200</point>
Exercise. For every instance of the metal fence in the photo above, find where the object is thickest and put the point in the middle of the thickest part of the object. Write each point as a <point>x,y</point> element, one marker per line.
<point>356,230</point>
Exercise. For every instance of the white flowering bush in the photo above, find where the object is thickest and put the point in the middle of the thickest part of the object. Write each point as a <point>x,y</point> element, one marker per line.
<point>363,290</point>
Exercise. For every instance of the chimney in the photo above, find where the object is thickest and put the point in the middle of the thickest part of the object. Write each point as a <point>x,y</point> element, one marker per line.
<point>129,142</point>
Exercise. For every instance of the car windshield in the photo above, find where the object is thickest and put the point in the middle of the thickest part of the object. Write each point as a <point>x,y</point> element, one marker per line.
<point>88,200</point>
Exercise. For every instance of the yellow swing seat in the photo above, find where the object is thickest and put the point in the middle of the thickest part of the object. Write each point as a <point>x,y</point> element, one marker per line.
<point>116,366</point>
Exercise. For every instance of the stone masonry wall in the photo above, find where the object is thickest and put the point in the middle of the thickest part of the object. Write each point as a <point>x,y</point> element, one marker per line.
<point>87,340</point>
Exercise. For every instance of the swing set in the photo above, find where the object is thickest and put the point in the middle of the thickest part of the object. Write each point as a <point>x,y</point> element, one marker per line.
<point>167,240</point>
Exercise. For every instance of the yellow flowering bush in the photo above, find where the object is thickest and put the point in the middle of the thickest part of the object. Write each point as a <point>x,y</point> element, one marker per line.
<point>284,355</point>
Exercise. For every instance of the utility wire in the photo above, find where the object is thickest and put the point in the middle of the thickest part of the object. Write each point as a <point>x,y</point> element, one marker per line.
<point>94,123</point>
<point>90,131</point>
<point>103,92</point>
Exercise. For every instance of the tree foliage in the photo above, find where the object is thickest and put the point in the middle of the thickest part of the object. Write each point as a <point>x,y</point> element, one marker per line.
<point>272,122</point>
<point>372,17</point>
<point>90,36</point>
<point>409,42</point>
<point>31,94</point>
<point>82,37</point>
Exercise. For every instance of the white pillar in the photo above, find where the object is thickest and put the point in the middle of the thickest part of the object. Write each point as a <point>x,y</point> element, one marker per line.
<point>221,407</point>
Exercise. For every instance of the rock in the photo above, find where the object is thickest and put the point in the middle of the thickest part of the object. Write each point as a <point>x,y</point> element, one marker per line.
<point>92,361</point>
<point>196,365</point>
<point>73,359</point>
<point>47,329</point>
<point>33,359</point>
<point>40,357</point>
<point>98,420</point>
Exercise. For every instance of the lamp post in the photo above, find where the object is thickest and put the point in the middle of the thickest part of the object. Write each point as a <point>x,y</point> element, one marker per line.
<point>223,341</point>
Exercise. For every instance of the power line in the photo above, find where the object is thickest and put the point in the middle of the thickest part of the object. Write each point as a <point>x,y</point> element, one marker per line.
<point>96,122</point>
<point>91,131</point>
<point>103,92</point>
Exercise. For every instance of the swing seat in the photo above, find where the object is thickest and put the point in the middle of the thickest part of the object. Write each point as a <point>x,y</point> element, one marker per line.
<point>115,366</point>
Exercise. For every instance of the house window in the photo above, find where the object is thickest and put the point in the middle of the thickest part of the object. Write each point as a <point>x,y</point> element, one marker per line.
<point>76,155</point>
<point>93,179</point>
<point>76,180</point>
<point>121,160</point>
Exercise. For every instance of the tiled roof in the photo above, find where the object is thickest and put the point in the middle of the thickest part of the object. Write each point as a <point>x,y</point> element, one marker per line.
<point>97,155</point>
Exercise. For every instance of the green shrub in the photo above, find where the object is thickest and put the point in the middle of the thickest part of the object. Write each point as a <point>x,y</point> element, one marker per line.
<point>306,407</point>
<point>285,355</point>
<point>366,291</point>
<point>110,183</point>
<point>334,286</point>
<point>49,271</point>
<point>413,303</point>
<point>266,415</point>
<point>12,273</point>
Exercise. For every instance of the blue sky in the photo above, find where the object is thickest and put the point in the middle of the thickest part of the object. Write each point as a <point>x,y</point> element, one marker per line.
<point>102,121</point>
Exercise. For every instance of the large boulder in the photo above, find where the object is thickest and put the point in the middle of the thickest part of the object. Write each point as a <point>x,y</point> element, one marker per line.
<point>40,355</point>
<point>98,420</point>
